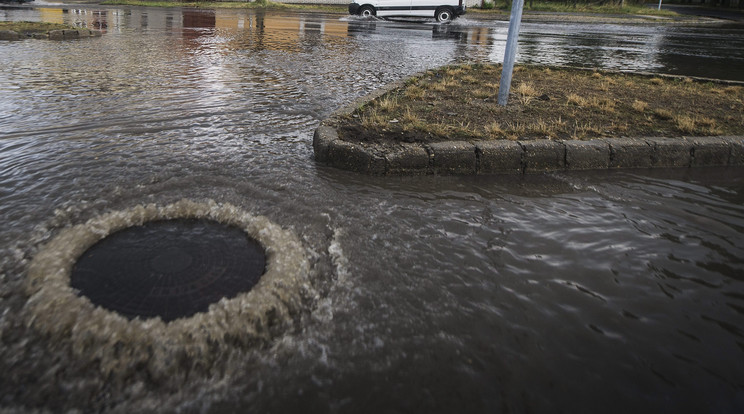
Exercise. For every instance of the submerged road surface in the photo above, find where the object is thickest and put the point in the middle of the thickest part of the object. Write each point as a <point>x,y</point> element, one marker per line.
<point>596,291</point>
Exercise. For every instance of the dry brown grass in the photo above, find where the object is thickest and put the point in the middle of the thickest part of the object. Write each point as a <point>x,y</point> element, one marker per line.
<point>494,130</point>
<point>602,104</point>
<point>733,90</point>
<point>543,128</point>
<point>460,103</point>
<point>619,127</point>
<point>453,71</point>
<point>414,92</point>
<point>372,120</point>
<point>574,99</point>
<point>526,92</point>
<point>685,124</point>
<point>663,114</point>
<point>387,103</point>
<point>515,130</point>
<point>483,93</point>
<point>696,125</point>
<point>410,117</point>
<point>436,128</point>
<point>469,79</point>
<point>640,106</point>
<point>585,130</point>
<point>451,82</point>
<point>526,89</point>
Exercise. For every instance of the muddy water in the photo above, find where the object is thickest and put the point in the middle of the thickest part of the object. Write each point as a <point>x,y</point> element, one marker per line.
<point>611,291</point>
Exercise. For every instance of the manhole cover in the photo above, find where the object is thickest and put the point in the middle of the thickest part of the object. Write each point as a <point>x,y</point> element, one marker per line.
<point>177,261</point>
<point>168,268</point>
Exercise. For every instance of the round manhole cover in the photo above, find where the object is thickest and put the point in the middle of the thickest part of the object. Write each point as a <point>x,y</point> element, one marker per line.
<point>168,268</point>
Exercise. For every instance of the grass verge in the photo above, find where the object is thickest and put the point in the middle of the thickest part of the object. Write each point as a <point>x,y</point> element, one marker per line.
<point>597,8</point>
<point>459,103</point>
<point>27,28</point>
<point>226,5</point>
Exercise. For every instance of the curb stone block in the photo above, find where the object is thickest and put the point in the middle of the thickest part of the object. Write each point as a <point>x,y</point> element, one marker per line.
<point>56,34</point>
<point>322,139</point>
<point>710,151</point>
<point>736,145</point>
<point>543,155</point>
<point>70,34</point>
<point>377,163</point>
<point>630,153</point>
<point>587,155</point>
<point>453,157</point>
<point>670,152</point>
<point>348,156</point>
<point>499,157</point>
<point>408,159</point>
<point>9,35</point>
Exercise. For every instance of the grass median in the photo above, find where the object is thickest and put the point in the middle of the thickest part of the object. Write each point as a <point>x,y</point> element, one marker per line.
<point>504,6</point>
<point>260,4</point>
<point>459,103</point>
<point>29,28</point>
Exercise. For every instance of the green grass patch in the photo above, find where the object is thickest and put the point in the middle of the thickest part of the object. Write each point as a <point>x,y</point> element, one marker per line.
<point>502,6</point>
<point>32,27</point>
<point>226,5</point>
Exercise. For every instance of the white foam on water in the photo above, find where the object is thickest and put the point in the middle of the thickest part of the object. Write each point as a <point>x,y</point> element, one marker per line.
<point>340,261</point>
<point>120,345</point>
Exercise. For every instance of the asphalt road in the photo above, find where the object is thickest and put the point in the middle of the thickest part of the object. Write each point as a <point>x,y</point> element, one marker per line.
<point>736,15</point>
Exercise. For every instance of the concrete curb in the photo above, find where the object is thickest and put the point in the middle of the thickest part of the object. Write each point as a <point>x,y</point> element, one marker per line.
<point>529,156</point>
<point>521,156</point>
<point>51,35</point>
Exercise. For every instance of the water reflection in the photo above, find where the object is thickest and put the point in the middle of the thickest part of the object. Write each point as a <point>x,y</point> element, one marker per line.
<point>560,292</point>
<point>684,50</point>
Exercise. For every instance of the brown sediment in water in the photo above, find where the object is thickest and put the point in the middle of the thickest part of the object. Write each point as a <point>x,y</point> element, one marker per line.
<point>119,345</point>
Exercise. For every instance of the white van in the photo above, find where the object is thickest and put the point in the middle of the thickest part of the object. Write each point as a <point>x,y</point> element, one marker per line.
<point>442,10</point>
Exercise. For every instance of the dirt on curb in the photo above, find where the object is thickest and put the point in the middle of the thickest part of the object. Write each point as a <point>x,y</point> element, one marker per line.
<point>459,103</point>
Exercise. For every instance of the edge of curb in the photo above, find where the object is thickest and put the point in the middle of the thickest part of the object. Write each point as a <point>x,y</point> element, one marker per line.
<point>478,157</point>
<point>528,156</point>
<point>64,34</point>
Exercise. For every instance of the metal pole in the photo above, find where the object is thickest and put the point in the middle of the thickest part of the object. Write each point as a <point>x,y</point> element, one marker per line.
<point>660,4</point>
<point>511,51</point>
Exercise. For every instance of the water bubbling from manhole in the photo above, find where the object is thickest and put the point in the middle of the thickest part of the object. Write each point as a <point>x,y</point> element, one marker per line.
<point>121,345</point>
<point>168,268</point>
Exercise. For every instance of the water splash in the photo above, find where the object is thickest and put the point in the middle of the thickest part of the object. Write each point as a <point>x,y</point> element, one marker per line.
<point>120,345</point>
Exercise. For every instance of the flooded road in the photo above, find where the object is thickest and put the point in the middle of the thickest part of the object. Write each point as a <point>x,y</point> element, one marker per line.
<point>611,291</point>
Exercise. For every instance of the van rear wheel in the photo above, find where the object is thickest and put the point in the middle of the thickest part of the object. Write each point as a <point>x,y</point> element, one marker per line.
<point>444,14</point>
<point>367,11</point>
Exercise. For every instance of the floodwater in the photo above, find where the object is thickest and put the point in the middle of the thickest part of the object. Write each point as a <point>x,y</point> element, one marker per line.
<point>611,291</point>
